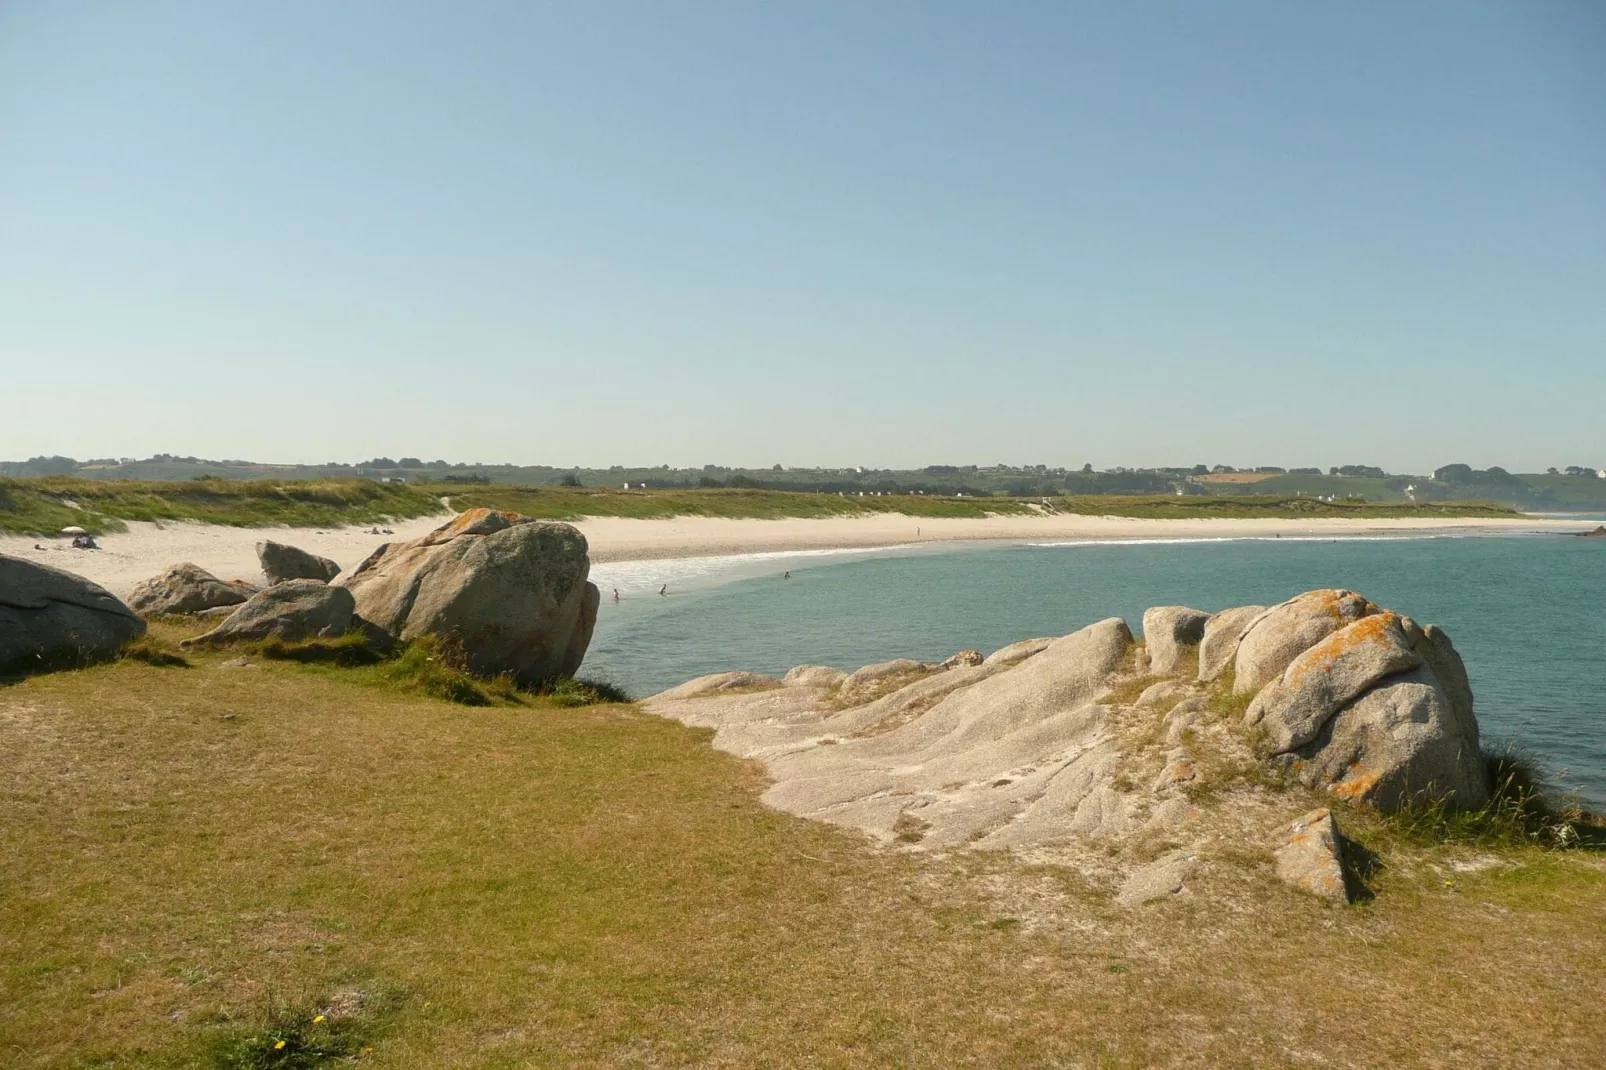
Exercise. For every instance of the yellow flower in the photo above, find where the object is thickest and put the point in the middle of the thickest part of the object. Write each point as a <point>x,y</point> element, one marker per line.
<point>318,1019</point>
<point>279,1045</point>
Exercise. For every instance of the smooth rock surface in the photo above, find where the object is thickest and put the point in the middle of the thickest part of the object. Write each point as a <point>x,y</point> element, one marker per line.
<point>281,562</point>
<point>717,682</point>
<point>1309,856</point>
<point>510,592</point>
<point>814,676</point>
<point>1219,644</point>
<point>1020,651</point>
<point>1163,877</point>
<point>184,588</point>
<point>1283,632</point>
<point>49,616</point>
<point>1328,676</point>
<point>1363,714</point>
<point>1401,742</point>
<point>291,611</point>
<point>1167,630</point>
<point>860,679</point>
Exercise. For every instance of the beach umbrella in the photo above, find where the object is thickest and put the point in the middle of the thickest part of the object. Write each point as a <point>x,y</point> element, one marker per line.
<point>75,530</point>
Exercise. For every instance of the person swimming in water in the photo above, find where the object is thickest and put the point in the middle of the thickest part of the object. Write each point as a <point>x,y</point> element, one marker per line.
<point>786,575</point>
<point>616,594</point>
<point>664,589</point>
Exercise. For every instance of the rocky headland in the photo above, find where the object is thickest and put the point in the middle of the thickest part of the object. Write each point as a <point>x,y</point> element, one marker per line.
<point>1139,761</point>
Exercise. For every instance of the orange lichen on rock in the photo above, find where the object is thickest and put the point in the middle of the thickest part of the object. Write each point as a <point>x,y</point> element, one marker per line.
<point>1324,655</point>
<point>1357,784</point>
<point>477,521</point>
<point>1342,604</point>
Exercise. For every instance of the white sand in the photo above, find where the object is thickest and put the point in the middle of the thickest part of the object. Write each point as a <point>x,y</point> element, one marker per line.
<point>230,553</point>
<point>618,539</point>
<point>145,550</point>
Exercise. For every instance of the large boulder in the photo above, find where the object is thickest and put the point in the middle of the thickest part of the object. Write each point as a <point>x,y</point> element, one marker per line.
<point>1378,712</point>
<point>1219,645</point>
<point>281,562</point>
<point>509,592</point>
<point>184,588</point>
<point>294,610</point>
<point>1329,676</point>
<point>49,616</point>
<point>1166,631</point>
<point>1279,635</point>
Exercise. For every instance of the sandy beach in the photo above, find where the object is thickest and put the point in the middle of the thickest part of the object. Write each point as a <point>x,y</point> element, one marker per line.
<point>146,549</point>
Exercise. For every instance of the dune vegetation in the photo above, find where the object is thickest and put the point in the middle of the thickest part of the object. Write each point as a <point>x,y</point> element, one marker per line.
<point>43,506</point>
<point>310,860</point>
<point>46,505</point>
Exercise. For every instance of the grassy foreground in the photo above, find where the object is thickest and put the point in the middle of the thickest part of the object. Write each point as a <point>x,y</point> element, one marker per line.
<point>200,861</point>
<point>46,505</point>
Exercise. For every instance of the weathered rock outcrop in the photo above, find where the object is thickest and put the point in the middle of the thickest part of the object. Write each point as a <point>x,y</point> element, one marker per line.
<point>1279,635</point>
<point>184,588</point>
<point>291,611</point>
<point>1219,646</point>
<point>1167,631</point>
<point>1068,749</point>
<point>511,593</point>
<point>281,562</point>
<point>49,616</point>
<point>1363,714</point>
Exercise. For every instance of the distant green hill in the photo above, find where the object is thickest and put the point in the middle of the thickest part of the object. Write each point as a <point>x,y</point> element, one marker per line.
<point>1558,492</point>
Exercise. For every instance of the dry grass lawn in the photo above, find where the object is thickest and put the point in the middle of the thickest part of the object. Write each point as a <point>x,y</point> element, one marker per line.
<point>594,886</point>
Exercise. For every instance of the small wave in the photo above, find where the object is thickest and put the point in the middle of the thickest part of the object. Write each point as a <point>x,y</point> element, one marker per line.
<point>1204,539</point>
<point>636,576</point>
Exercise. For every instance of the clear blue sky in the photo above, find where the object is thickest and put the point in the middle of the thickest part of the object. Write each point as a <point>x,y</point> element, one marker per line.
<point>882,233</point>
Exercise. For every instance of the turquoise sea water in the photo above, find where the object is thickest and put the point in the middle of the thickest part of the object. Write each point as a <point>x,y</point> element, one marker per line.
<point>1528,613</point>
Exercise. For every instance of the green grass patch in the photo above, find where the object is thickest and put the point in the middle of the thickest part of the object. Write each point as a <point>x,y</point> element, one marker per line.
<point>349,650</point>
<point>153,651</point>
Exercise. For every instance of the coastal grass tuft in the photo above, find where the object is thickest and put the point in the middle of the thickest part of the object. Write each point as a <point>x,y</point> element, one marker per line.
<point>1524,807</point>
<point>303,1035</point>
<point>153,651</point>
<point>349,650</point>
<point>595,691</point>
